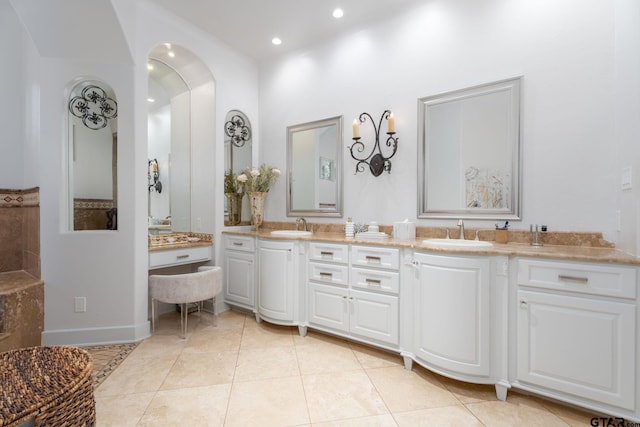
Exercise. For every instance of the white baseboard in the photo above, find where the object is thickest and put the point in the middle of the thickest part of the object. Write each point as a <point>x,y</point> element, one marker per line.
<point>97,336</point>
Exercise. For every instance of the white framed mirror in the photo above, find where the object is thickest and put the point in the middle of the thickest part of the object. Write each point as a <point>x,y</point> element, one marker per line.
<point>314,178</point>
<point>469,152</point>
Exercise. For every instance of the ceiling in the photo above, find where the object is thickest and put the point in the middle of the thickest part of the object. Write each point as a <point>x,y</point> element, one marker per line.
<point>249,25</point>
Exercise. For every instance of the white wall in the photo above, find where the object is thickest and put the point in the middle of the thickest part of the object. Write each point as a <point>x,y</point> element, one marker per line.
<point>572,54</point>
<point>110,268</point>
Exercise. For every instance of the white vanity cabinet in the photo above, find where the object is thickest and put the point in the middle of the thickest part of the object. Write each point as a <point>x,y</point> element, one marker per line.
<point>239,271</point>
<point>458,317</point>
<point>452,313</point>
<point>277,287</point>
<point>576,332</point>
<point>358,299</point>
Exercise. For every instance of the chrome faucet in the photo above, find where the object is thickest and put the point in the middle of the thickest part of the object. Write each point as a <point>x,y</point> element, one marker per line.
<point>461,226</point>
<point>303,221</point>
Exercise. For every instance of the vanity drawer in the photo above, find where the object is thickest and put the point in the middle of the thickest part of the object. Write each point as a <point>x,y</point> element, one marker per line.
<point>375,257</point>
<point>329,252</point>
<point>335,274</point>
<point>170,257</point>
<point>596,279</point>
<point>375,280</point>
<point>240,243</point>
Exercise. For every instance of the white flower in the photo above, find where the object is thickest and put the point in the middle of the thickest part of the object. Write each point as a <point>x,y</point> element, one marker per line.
<point>276,172</point>
<point>254,172</point>
<point>242,178</point>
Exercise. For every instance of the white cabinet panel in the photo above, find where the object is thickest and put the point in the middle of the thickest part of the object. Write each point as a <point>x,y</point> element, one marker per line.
<point>581,346</point>
<point>239,273</point>
<point>452,309</point>
<point>275,280</point>
<point>375,256</point>
<point>374,316</point>
<point>327,306</point>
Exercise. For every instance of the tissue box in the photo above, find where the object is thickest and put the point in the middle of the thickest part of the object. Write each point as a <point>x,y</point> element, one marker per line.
<point>404,230</point>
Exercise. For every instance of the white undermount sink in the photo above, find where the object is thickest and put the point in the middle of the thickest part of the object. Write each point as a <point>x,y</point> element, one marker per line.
<point>291,233</point>
<point>456,243</point>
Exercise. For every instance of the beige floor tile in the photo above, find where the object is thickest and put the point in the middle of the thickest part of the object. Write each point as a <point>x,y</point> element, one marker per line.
<point>256,335</point>
<point>272,402</point>
<point>468,392</point>
<point>342,395</point>
<point>325,357</point>
<point>201,369</point>
<point>448,416</point>
<point>370,357</point>
<point>166,345</point>
<point>517,410</point>
<point>385,420</point>
<point>316,337</point>
<point>404,390</point>
<point>213,339</point>
<point>136,376</point>
<point>197,406</point>
<point>572,416</point>
<point>121,411</point>
<point>264,363</point>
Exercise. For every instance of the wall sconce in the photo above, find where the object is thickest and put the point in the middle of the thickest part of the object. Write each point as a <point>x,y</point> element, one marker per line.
<point>153,176</point>
<point>376,160</point>
<point>237,130</point>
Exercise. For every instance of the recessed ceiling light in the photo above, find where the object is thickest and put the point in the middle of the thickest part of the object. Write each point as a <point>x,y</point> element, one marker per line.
<point>149,67</point>
<point>276,41</point>
<point>151,100</point>
<point>171,54</point>
<point>338,13</point>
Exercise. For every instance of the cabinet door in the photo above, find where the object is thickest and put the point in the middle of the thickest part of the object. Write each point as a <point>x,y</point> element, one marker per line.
<point>452,322</point>
<point>581,346</point>
<point>239,273</point>
<point>328,306</point>
<point>275,288</point>
<point>374,316</point>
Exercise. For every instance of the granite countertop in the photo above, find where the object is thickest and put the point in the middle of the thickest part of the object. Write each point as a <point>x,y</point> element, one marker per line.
<point>605,254</point>
<point>12,281</point>
<point>181,240</point>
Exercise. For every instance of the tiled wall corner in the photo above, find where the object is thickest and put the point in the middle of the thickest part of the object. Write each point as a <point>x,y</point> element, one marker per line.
<point>20,230</point>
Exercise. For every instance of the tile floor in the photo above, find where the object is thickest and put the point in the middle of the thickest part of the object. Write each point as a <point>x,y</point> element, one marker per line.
<point>241,373</point>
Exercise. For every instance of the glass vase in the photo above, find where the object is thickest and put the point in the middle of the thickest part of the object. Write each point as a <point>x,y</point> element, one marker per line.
<point>234,207</point>
<point>256,203</point>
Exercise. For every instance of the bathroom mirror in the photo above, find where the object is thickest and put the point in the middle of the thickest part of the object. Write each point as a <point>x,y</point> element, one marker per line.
<point>469,153</point>
<point>169,149</point>
<point>237,149</point>
<point>92,151</point>
<point>314,179</point>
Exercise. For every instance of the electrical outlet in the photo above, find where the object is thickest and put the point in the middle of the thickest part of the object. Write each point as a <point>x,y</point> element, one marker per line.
<point>80,304</point>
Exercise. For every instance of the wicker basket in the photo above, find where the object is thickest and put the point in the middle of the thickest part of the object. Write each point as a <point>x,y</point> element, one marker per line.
<point>51,385</point>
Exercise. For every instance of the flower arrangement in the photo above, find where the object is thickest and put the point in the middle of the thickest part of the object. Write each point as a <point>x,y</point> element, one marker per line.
<point>231,183</point>
<point>258,179</point>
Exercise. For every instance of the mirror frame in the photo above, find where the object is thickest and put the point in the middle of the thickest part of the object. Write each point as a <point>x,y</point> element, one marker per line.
<point>512,87</point>
<point>319,212</point>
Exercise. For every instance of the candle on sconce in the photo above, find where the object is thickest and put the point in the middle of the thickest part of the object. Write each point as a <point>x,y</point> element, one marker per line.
<point>391,124</point>
<point>155,166</point>
<point>356,129</point>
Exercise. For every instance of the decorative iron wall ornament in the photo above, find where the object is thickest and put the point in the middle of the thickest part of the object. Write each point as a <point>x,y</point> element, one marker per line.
<point>237,130</point>
<point>94,107</point>
<point>377,161</point>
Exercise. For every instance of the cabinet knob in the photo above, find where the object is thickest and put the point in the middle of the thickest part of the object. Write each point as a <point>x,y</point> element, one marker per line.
<point>523,303</point>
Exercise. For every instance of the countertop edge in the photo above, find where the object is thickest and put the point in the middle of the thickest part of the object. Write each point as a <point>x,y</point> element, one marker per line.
<point>570,253</point>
